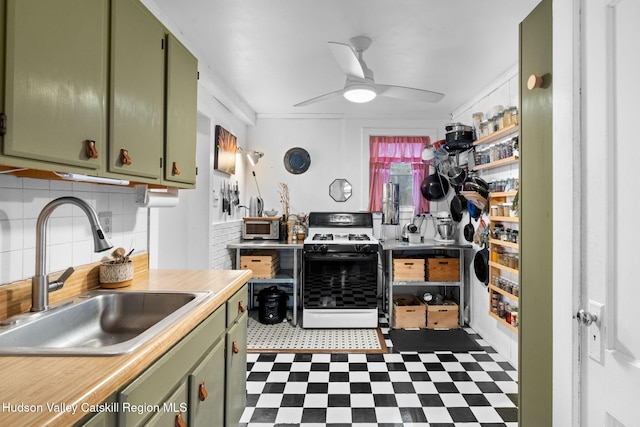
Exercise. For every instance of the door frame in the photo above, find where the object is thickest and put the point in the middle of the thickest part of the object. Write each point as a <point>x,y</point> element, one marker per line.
<point>567,171</point>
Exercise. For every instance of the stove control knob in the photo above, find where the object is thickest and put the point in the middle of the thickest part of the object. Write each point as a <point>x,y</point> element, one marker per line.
<point>319,248</point>
<point>362,248</point>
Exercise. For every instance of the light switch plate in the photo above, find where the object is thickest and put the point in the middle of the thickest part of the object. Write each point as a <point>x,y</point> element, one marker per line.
<point>594,331</point>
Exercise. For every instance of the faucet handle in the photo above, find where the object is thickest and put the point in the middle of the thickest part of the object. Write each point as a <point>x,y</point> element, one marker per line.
<point>58,284</point>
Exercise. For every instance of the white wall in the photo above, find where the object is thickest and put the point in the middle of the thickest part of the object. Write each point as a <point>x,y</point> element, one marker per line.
<point>339,148</point>
<point>504,91</point>
<point>69,241</point>
<point>194,234</point>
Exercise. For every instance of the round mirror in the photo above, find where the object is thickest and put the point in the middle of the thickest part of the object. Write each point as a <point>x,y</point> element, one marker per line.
<point>297,160</point>
<point>340,190</point>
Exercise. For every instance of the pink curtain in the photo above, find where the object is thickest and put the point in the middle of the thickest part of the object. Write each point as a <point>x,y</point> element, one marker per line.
<point>385,150</point>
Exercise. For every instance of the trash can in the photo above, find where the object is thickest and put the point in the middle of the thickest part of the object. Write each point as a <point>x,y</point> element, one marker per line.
<point>272,305</point>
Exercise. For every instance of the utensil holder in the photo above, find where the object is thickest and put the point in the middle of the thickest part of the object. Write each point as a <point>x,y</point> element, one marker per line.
<point>116,275</point>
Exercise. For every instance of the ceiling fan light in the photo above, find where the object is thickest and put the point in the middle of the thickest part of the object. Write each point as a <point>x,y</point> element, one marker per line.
<point>359,94</point>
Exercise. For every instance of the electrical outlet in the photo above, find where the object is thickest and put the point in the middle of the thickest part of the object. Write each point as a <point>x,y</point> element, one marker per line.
<point>106,221</point>
<point>594,331</point>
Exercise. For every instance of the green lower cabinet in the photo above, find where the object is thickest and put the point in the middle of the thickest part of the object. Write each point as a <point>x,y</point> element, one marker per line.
<point>173,410</point>
<point>201,381</point>
<point>206,390</point>
<point>170,371</point>
<point>236,367</point>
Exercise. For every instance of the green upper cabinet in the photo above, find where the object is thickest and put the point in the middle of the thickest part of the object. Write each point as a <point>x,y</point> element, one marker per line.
<point>181,111</point>
<point>137,92</point>
<point>55,84</point>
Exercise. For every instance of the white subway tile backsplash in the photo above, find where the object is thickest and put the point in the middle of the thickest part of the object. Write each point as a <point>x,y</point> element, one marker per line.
<point>81,229</point>
<point>28,264</point>
<point>33,201</point>
<point>116,203</point>
<point>10,203</point>
<point>10,266</point>
<point>60,231</point>
<point>9,181</point>
<point>29,233</point>
<point>69,237</point>
<point>60,257</point>
<point>35,184</point>
<point>11,232</point>
<point>82,252</point>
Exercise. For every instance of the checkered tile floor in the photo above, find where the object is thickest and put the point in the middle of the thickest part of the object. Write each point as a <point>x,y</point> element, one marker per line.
<point>441,389</point>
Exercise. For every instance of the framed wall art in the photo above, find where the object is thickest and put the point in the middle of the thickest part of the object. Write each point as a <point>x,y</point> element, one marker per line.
<point>226,146</point>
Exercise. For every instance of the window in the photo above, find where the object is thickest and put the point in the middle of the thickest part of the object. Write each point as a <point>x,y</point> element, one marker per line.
<point>400,173</point>
<point>397,159</point>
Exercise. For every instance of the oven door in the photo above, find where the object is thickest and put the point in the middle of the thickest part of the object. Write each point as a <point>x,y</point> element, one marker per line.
<point>340,281</point>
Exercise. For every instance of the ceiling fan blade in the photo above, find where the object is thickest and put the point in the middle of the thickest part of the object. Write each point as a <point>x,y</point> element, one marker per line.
<point>347,59</point>
<point>409,93</point>
<point>319,98</point>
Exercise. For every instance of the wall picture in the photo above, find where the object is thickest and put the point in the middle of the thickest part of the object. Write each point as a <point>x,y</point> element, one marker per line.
<point>226,146</point>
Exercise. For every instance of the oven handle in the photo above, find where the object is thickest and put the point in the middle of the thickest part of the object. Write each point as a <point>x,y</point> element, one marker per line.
<point>356,256</point>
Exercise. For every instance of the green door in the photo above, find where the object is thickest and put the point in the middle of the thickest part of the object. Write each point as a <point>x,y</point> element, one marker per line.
<point>56,82</point>
<point>181,110</point>
<point>137,91</point>
<point>536,214</point>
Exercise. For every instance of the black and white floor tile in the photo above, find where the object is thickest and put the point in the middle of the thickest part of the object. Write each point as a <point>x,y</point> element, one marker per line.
<point>440,389</point>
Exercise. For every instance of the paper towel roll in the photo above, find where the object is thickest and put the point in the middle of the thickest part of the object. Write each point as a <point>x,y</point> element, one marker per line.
<point>156,198</point>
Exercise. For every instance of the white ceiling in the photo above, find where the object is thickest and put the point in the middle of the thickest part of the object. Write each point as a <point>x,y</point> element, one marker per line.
<point>272,54</point>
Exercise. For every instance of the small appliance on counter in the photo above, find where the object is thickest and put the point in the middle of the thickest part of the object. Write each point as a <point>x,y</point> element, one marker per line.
<point>260,228</point>
<point>445,228</point>
<point>255,206</point>
<point>412,231</point>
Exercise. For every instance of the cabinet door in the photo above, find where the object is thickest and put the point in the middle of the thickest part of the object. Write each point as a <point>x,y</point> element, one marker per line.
<point>172,410</point>
<point>56,83</point>
<point>181,111</point>
<point>236,364</point>
<point>137,91</point>
<point>206,390</point>
<point>237,305</point>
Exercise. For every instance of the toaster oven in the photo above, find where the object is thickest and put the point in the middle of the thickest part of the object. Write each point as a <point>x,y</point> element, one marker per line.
<point>257,228</point>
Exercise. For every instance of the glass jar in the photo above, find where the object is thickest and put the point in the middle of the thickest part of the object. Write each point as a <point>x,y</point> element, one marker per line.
<point>507,314</point>
<point>478,118</point>
<point>499,121</point>
<point>514,317</point>
<point>515,290</point>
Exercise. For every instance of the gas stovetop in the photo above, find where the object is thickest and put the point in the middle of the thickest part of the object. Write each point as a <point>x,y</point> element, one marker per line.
<point>341,237</point>
<point>340,232</point>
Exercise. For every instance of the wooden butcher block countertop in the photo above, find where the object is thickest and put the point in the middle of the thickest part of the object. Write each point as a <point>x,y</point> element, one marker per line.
<point>76,380</point>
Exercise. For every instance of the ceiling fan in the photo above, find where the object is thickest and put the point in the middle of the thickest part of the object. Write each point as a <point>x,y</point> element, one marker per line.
<point>360,86</point>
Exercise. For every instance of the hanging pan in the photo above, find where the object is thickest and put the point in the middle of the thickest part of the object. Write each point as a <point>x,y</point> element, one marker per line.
<point>458,205</point>
<point>481,265</point>
<point>469,231</point>
<point>434,187</point>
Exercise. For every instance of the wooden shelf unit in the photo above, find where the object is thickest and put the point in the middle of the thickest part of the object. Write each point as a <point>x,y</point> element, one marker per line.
<point>503,322</point>
<point>497,135</point>
<point>497,163</point>
<point>495,268</point>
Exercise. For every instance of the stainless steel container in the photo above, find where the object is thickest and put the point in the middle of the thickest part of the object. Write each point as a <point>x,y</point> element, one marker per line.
<point>390,203</point>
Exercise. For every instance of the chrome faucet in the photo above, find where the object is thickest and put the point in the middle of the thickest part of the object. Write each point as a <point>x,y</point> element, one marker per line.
<point>40,286</point>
